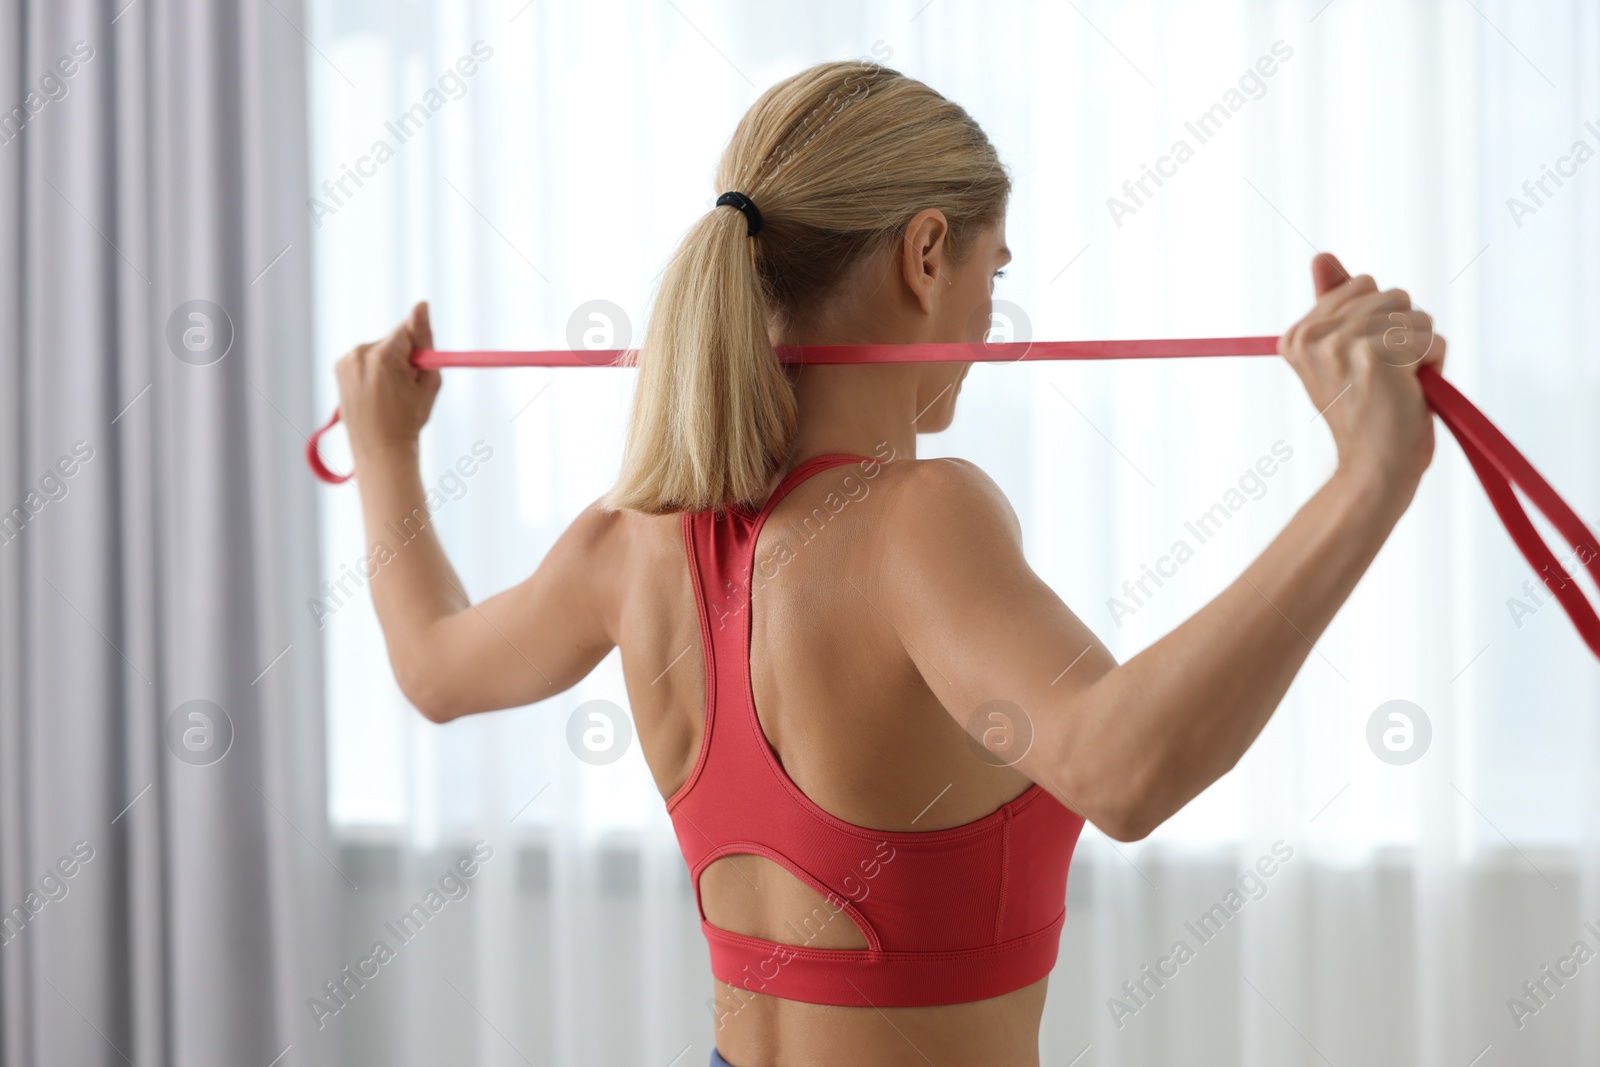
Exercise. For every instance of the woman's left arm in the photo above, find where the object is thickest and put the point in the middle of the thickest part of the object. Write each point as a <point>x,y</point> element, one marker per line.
<point>450,656</point>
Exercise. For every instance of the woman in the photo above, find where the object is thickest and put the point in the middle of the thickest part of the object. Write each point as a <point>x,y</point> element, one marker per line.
<point>878,732</point>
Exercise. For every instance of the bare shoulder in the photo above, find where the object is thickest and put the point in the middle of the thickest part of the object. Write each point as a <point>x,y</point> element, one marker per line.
<point>945,530</point>
<point>623,547</point>
<point>595,555</point>
<point>599,530</point>
<point>597,536</point>
<point>945,504</point>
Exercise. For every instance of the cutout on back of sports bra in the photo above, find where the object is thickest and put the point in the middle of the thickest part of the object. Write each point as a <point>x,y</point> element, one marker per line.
<point>752,895</point>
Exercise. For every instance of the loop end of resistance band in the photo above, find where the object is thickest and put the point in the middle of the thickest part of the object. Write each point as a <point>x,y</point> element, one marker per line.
<point>314,458</point>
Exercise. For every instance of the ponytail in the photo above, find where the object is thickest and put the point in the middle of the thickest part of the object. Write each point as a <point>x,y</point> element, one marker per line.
<point>838,158</point>
<point>713,410</point>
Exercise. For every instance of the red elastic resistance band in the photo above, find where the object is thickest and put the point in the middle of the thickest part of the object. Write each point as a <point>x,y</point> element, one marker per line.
<point>1499,466</point>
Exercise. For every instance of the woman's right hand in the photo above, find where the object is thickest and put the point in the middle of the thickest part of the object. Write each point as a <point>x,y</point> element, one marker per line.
<point>383,400</point>
<point>1358,353</point>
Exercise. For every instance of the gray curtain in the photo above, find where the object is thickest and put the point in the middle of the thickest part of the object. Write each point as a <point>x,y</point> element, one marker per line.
<point>165,867</point>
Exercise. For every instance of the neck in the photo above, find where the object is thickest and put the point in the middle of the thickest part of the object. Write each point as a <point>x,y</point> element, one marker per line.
<point>864,410</point>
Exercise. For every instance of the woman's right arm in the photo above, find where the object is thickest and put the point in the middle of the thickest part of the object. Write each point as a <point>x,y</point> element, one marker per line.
<point>1127,746</point>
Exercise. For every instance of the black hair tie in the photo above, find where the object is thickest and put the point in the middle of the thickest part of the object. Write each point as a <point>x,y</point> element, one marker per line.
<point>746,206</point>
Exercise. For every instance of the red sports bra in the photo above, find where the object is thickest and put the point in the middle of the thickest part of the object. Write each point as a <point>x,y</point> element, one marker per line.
<point>949,916</point>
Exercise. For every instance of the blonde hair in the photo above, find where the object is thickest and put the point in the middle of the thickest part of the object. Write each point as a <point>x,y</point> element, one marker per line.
<point>838,159</point>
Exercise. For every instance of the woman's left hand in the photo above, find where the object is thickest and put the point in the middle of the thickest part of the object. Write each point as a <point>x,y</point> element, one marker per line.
<point>383,400</point>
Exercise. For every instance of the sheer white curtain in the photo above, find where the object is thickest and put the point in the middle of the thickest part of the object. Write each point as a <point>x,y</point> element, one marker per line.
<point>1372,911</point>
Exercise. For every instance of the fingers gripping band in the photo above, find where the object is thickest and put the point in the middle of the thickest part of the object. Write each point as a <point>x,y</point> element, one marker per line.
<point>1497,463</point>
<point>752,213</point>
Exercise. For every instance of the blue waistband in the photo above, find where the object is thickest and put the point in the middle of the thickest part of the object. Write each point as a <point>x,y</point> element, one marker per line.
<point>717,1060</point>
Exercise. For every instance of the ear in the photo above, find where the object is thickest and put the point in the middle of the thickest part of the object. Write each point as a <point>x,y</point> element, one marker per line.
<point>925,256</point>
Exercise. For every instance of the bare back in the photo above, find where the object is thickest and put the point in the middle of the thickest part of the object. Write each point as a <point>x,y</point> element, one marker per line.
<point>856,728</point>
